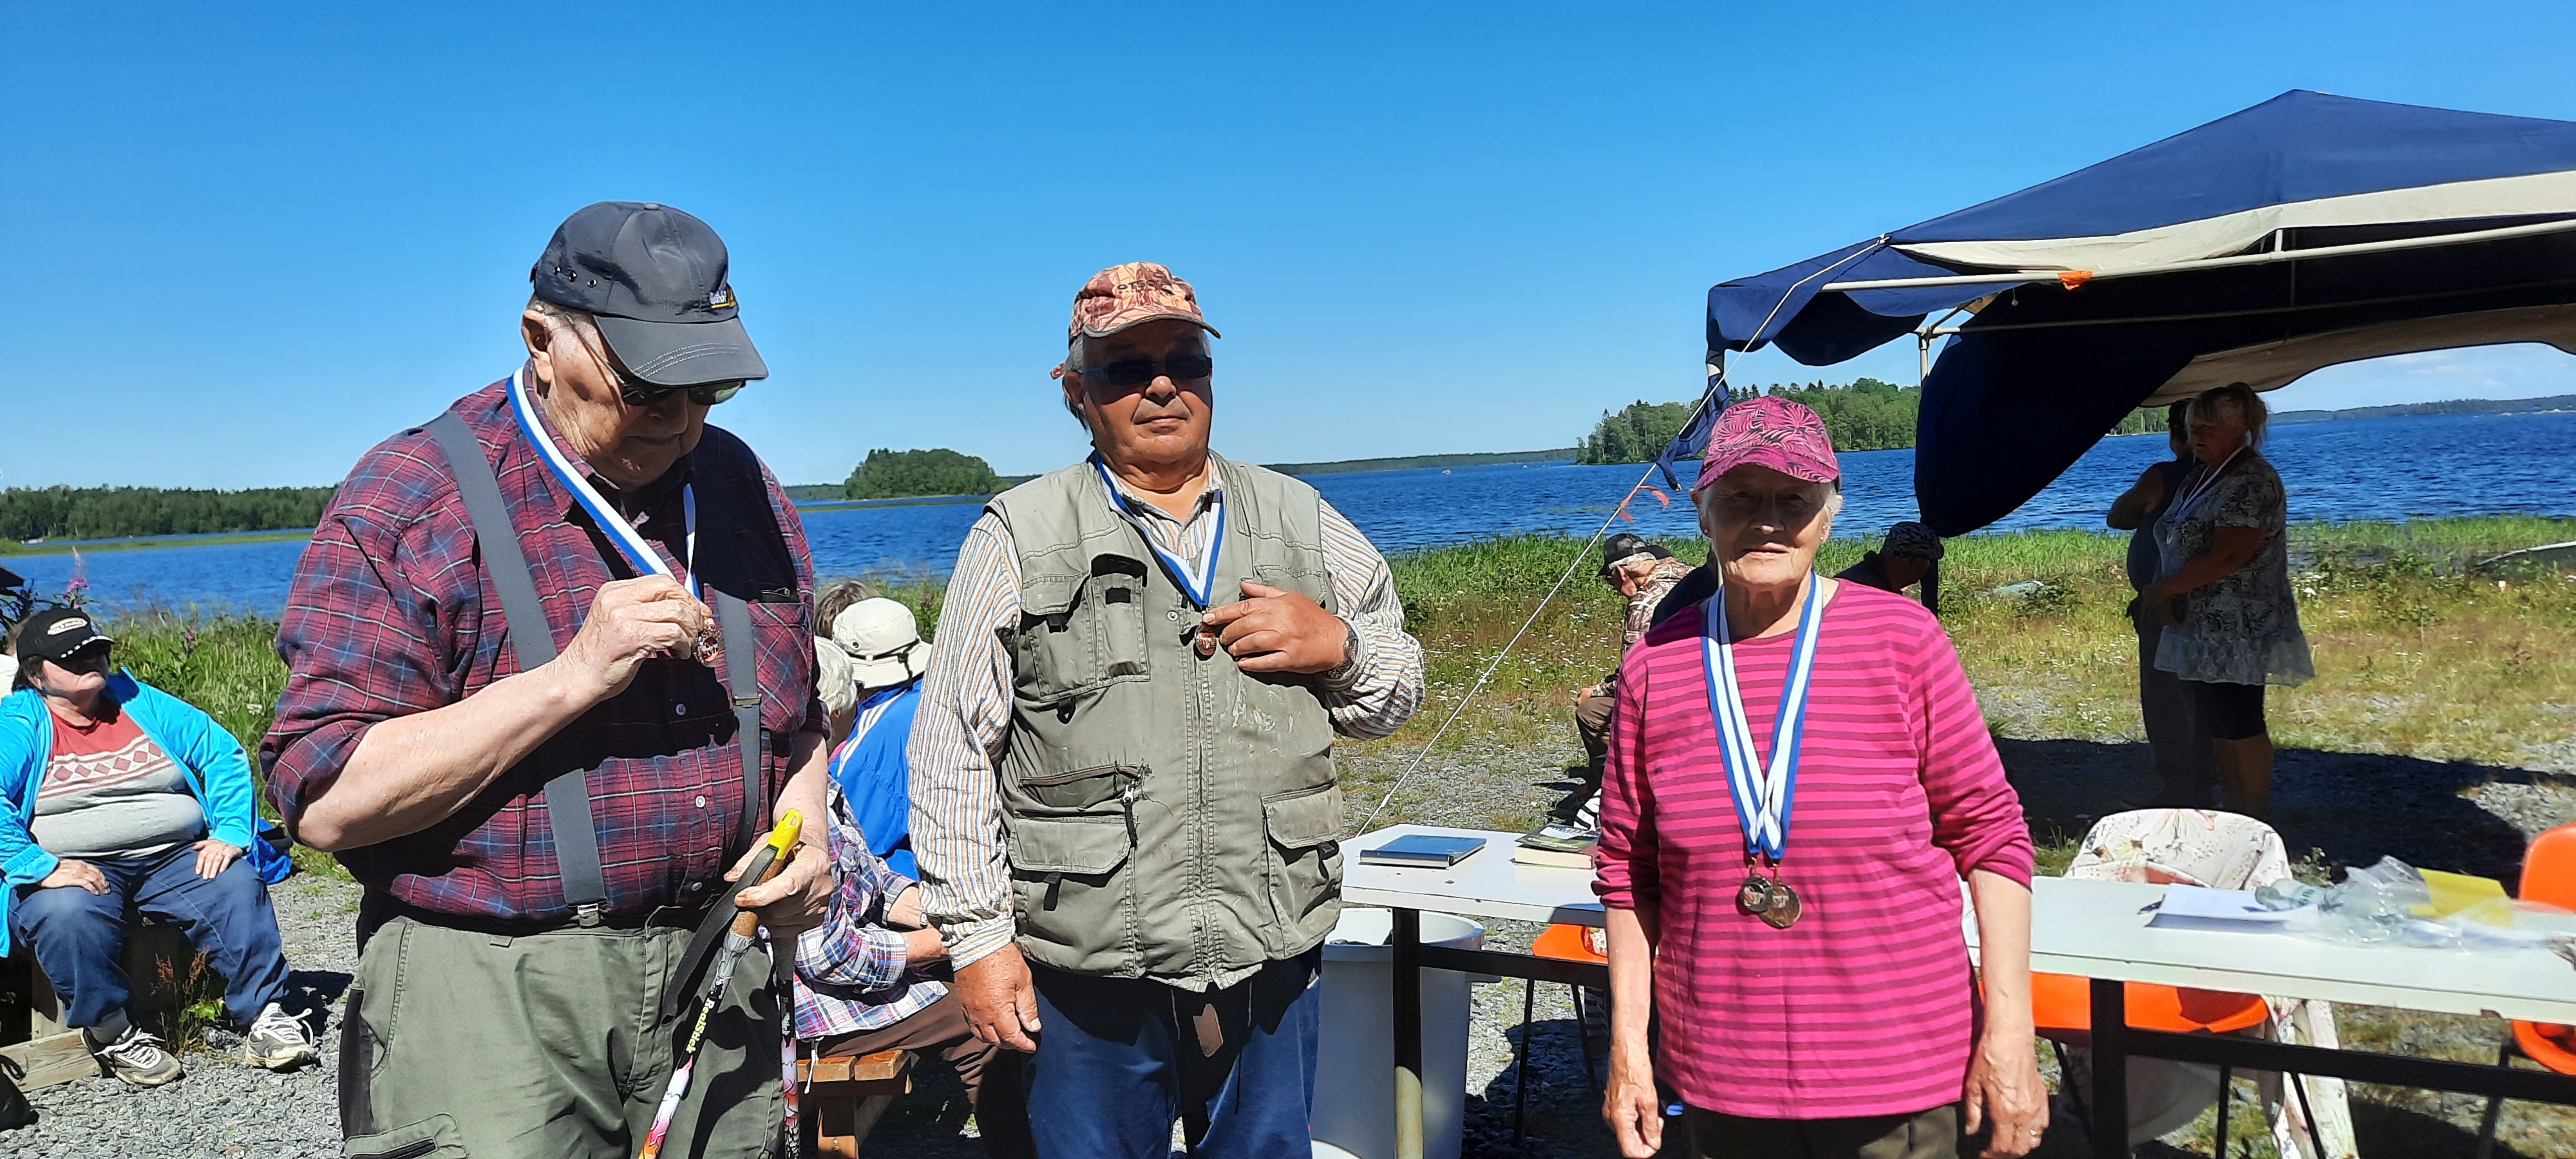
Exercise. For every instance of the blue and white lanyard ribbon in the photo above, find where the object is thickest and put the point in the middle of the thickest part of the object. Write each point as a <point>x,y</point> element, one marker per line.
<point>638,550</point>
<point>1762,791</point>
<point>1198,581</point>
<point>2183,505</point>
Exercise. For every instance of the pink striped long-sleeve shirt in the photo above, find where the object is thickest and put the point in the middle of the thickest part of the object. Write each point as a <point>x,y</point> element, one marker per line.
<point>1867,1005</point>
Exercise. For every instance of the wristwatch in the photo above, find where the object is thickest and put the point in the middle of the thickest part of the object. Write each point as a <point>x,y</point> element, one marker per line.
<point>1341,673</point>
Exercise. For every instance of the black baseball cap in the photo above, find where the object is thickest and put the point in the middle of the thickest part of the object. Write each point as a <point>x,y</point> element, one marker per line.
<point>56,633</point>
<point>655,279</point>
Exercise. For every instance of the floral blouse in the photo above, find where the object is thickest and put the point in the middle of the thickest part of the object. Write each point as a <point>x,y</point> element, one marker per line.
<point>2244,628</point>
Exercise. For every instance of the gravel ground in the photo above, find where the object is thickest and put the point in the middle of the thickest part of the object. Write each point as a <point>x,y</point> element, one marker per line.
<point>2343,806</point>
<point>223,1108</point>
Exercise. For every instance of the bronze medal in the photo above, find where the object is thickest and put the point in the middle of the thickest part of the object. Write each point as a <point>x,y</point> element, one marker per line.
<point>1754,896</point>
<point>1782,909</point>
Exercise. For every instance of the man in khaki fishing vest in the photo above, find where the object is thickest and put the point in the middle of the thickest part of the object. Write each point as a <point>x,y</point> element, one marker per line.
<point>1124,808</point>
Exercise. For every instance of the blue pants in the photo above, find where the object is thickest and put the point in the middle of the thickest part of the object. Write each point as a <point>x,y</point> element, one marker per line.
<point>79,936</point>
<point>1120,1058</point>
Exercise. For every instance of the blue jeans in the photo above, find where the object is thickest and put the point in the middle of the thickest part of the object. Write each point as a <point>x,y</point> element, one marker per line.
<point>79,936</point>
<point>1120,1058</point>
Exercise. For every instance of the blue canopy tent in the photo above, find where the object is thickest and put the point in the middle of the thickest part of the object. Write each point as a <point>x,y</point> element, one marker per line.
<point>2306,231</point>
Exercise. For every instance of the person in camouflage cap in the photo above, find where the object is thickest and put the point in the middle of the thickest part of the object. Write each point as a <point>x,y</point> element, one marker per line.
<point>1125,810</point>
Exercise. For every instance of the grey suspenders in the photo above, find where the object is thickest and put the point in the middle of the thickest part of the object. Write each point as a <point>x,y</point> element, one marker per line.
<point>576,836</point>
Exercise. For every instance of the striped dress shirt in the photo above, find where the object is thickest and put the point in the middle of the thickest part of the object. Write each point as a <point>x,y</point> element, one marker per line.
<point>1867,1005</point>
<point>963,727</point>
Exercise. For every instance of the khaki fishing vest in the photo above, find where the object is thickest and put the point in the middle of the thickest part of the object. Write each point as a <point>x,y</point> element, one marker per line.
<point>1170,816</point>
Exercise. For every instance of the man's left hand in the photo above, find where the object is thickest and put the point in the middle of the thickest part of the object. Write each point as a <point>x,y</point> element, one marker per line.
<point>213,857</point>
<point>1274,630</point>
<point>794,900</point>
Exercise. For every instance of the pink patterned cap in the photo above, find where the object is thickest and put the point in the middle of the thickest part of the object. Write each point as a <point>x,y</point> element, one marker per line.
<point>1769,431</point>
<point>1132,292</point>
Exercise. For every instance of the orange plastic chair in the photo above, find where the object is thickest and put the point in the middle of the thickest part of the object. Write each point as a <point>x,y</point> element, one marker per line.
<point>2548,877</point>
<point>1565,943</point>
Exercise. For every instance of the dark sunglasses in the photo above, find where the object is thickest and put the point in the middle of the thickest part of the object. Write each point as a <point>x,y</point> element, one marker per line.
<point>705,394</point>
<point>1131,373</point>
<point>90,657</point>
<point>639,393</point>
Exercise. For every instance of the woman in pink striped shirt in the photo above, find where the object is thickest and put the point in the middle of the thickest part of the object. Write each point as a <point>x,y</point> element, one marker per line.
<point>1783,886</point>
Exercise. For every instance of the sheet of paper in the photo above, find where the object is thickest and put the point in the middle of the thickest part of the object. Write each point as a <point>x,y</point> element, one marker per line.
<point>2199,906</point>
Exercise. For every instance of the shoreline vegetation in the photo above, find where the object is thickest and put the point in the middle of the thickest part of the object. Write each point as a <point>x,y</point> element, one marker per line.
<point>1864,415</point>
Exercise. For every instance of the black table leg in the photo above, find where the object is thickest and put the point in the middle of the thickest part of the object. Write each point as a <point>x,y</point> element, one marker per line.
<point>2110,1070</point>
<point>1407,942</point>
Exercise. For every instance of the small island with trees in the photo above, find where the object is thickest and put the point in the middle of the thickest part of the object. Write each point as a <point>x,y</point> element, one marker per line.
<point>889,474</point>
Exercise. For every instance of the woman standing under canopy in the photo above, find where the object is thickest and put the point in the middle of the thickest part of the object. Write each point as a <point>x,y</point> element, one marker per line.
<point>2232,626</point>
<point>1798,780</point>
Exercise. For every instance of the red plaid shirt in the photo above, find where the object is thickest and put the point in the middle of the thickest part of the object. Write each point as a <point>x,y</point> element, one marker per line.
<point>391,614</point>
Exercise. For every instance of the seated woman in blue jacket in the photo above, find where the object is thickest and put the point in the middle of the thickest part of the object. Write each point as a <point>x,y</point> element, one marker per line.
<point>122,797</point>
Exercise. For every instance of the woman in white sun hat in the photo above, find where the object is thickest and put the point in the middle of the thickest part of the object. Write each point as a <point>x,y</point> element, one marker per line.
<point>886,659</point>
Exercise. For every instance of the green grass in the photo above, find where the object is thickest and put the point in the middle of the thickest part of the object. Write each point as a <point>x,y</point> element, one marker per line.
<point>65,547</point>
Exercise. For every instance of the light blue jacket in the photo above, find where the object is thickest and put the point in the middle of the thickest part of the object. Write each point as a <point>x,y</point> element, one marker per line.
<point>218,774</point>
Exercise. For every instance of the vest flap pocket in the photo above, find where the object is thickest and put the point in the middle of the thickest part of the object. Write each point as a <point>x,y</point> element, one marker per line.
<point>1049,595</point>
<point>1309,818</point>
<point>1068,845</point>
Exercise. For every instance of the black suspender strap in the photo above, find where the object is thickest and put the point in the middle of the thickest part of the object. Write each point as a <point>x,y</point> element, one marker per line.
<point>742,679</point>
<point>567,795</point>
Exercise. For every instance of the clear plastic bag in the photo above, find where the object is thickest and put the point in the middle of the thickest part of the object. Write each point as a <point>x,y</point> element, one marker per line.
<point>2393,903</point>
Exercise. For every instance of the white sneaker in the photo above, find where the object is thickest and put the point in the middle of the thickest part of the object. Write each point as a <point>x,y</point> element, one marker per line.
<point>278,1040</point>
<point>139,1058</point>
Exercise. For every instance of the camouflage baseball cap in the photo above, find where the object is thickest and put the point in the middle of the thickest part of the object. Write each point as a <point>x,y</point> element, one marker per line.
<point>1132,292</point>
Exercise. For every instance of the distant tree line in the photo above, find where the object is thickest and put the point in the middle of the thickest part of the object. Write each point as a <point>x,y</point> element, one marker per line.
<point>116,512</point>
<point>1863,415</point>
<point>903,474</point>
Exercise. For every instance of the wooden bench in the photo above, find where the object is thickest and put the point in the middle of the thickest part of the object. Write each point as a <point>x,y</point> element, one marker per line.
<point>157,957</point>
<point>841,1098</point>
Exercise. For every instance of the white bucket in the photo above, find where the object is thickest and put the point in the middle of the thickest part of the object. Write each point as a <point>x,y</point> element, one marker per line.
<point>1355,1065</point>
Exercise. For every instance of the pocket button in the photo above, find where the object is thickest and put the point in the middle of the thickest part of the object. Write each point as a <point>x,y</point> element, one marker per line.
<point>1172,615</point>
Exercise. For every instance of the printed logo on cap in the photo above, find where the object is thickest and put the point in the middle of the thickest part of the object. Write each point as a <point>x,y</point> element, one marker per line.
<point>62,626</point>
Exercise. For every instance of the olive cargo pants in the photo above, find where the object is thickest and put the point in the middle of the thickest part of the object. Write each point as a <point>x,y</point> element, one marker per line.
<point>458,1043</point>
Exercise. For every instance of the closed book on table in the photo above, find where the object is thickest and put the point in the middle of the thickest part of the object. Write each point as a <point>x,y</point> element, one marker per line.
<point>1423,849</point>
<point>1558,846</point>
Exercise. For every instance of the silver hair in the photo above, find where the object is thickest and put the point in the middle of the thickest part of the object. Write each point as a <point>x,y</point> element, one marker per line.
<point>1073,367</point>
<point>2248,405</point>
<point>579,322</point>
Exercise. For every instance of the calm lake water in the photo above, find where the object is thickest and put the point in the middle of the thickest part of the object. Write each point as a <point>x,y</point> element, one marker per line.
<point>2389,468</point>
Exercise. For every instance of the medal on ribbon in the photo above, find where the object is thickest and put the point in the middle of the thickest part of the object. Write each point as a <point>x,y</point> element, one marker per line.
<point>1763,790</point>
<point>630,543</point>
<point>1197,581</point>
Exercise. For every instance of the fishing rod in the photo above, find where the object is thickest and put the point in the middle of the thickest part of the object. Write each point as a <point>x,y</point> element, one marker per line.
<point>773,855</point>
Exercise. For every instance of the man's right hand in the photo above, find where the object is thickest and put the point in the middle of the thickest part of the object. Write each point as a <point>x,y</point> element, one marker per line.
<point>85,875</point>
<point>630,622</point>
<point>1001,1001</point>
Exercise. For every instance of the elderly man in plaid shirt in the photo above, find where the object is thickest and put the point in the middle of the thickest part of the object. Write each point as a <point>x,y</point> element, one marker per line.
<point>550,669</point>
<point>866,981</point>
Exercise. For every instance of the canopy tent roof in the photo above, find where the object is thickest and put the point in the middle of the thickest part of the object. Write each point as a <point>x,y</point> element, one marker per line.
<point>2306,231</point>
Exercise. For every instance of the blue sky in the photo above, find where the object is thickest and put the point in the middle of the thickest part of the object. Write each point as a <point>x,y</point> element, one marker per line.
<point>252,240</point>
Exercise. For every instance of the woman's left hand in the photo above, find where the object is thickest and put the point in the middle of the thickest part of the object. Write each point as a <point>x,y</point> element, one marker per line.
<point>214,857</point>
<point>2004,1089</point>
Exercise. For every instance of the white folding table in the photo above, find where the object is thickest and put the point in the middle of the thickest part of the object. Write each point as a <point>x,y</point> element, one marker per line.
<point>2091,929</point>
<point>1487,884</point>
<point>2099,930</point>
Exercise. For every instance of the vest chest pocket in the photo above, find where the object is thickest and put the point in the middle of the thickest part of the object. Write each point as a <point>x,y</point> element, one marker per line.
<point>1080,632</point>
<point>1305,828</point>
